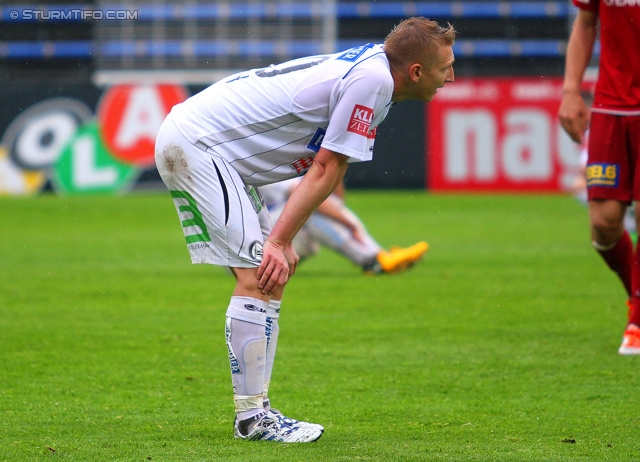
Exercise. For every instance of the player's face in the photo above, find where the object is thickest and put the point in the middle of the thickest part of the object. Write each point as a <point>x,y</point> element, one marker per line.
<point>436,74</point>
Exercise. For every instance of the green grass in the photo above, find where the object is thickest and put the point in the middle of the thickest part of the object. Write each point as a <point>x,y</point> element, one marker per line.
<point>500,345</point>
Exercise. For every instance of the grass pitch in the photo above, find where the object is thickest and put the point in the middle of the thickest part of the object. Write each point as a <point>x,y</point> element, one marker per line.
<point>500,345</point>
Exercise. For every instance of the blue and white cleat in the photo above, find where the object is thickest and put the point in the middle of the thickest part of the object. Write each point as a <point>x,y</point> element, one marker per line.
<point>267,428</point>
<point>284,420</point>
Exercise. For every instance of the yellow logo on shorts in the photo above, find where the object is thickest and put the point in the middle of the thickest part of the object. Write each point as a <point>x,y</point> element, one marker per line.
<point>603,175</point>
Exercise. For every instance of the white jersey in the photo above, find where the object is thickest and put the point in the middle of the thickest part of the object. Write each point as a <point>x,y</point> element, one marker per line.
<point>269,123</point>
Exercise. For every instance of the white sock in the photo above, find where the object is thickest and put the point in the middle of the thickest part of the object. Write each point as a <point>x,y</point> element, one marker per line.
<point>271,332</point>
<point>247,347</point>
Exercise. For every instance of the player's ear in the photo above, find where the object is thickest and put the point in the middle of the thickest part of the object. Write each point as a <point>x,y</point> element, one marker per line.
<point>415,71</point>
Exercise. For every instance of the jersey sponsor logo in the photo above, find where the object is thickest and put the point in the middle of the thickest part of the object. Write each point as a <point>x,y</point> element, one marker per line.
<point>316,140</point>
<point>302,165</point>
<point>353,54</point>
<point>602,174</point>
<point>360,121</point>
<point>255,251</point>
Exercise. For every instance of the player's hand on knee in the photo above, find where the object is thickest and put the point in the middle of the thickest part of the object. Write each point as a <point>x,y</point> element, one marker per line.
<point>274,268</point>
<point>292,258</point>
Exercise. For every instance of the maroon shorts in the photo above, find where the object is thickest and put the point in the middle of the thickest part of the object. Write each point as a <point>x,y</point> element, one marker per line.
<point>613,168</point>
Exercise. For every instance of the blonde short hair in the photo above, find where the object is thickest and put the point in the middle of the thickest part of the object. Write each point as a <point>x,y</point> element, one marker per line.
<point>416,39</point>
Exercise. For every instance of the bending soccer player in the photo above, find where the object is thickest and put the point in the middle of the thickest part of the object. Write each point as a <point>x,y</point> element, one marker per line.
<point>334,225</point>
<point>311,117</point>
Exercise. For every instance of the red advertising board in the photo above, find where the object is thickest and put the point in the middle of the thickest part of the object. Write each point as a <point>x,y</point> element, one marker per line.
<point>499,135</point>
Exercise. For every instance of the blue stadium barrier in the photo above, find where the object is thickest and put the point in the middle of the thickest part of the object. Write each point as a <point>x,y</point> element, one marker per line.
<point>501,48</point>
<point>478,9</point>
<point>255,48</point>
<point>207,48</point>
<point>46,49</point>
<point>266,48</point>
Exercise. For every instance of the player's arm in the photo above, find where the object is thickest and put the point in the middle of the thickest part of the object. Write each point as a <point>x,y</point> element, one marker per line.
<point>279,261</point>
<point>573,112</point>
<point>333,207</point>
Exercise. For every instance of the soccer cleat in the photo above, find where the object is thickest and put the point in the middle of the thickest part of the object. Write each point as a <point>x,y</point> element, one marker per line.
<point>630,341</point>
<point>267,428</point>
<point>399,259</point>
<point>284,420</point>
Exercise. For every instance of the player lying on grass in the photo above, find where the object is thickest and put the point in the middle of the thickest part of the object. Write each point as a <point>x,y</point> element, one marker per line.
<point>310,116</point>
<point>334,225</point>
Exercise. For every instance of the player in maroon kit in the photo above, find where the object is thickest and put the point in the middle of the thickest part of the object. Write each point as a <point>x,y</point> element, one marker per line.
<point>613,168</point>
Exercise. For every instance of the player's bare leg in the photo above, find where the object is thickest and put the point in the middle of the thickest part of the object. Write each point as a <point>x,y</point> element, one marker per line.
<point>610,239</point>
<point>606,218</point>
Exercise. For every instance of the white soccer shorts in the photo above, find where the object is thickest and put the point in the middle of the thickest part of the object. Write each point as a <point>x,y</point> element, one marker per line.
<point>223,220</point>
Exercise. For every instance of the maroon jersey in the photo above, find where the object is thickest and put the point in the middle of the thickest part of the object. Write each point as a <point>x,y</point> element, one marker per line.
<point>618,86</point>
